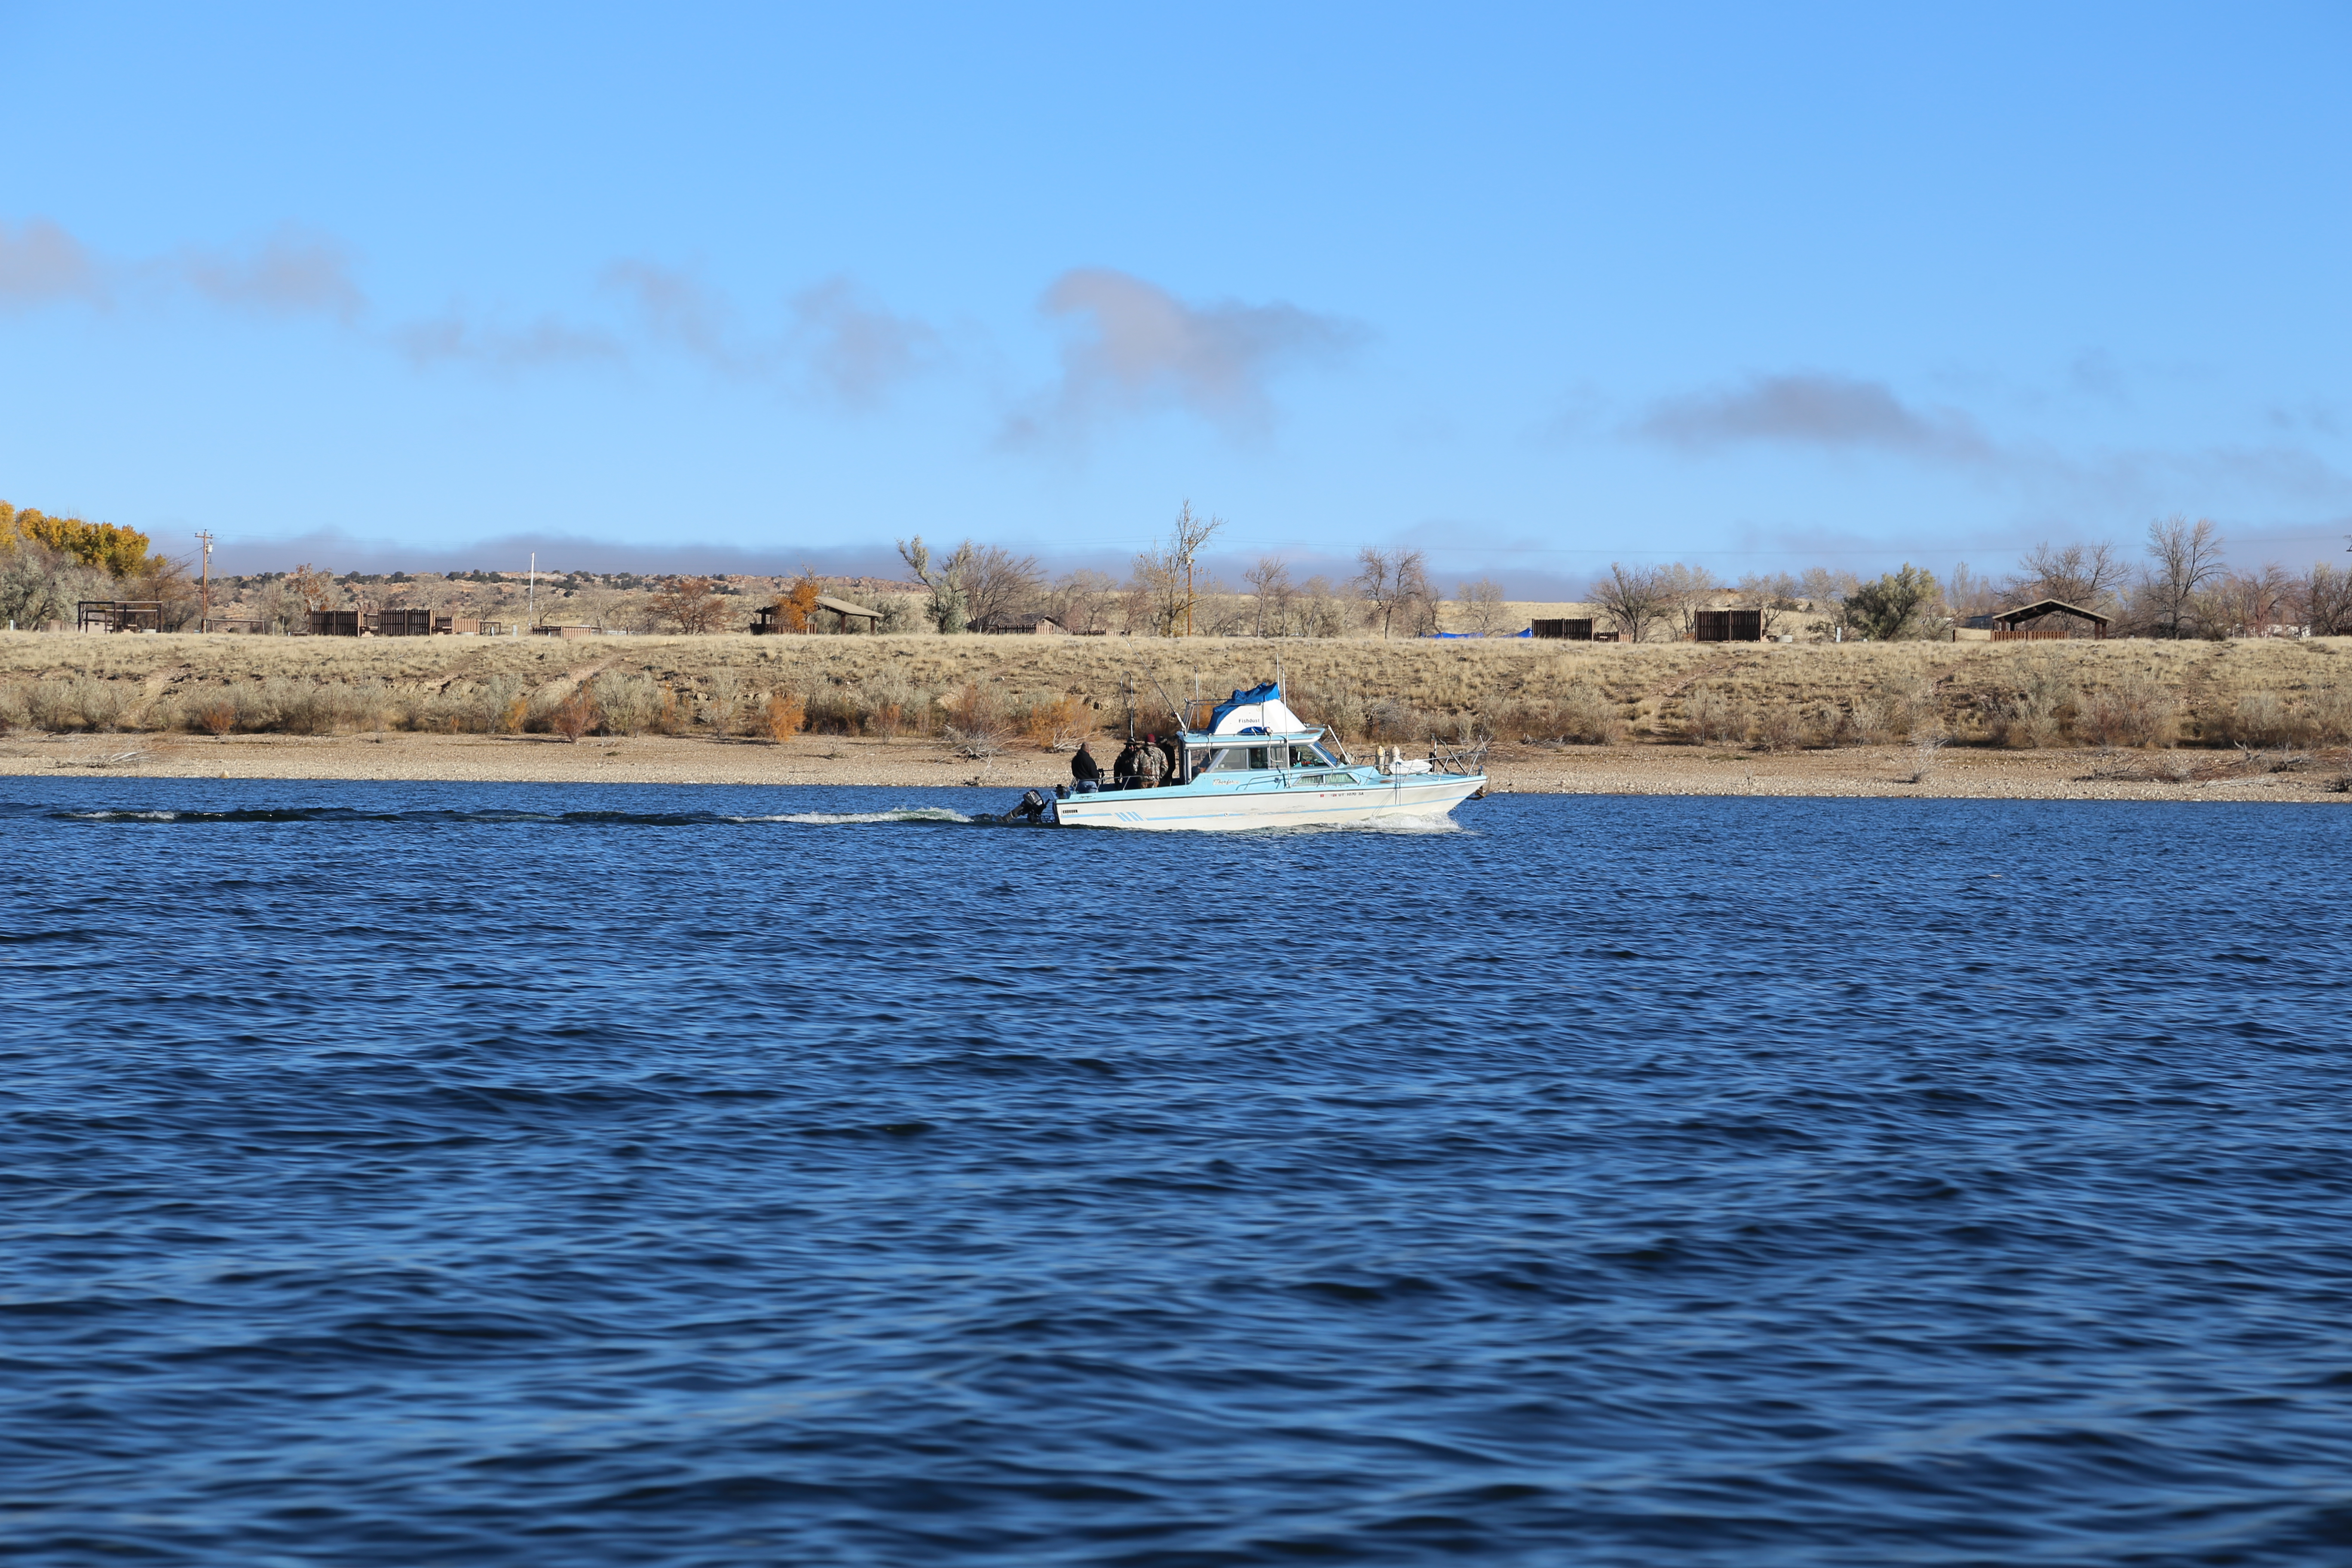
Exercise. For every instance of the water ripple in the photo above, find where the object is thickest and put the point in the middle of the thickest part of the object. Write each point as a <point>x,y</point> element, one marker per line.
<point>402,1173</point>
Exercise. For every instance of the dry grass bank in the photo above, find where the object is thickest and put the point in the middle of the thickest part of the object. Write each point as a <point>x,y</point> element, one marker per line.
<point>1772,696</point>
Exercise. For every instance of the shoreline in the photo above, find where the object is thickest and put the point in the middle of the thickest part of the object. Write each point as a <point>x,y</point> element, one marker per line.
<point>1957,772</point>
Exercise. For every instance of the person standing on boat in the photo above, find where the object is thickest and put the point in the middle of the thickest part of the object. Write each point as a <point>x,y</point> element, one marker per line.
<point>1172,773</point>
<point>1122,767</point>
<point>1150,767</point>
<point>1085,770</point>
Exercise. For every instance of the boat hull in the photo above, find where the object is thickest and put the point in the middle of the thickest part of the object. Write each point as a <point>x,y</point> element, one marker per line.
<point>1186,809</point>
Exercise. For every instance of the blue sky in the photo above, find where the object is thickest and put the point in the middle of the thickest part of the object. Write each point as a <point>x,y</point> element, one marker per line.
<point>1532,288</point>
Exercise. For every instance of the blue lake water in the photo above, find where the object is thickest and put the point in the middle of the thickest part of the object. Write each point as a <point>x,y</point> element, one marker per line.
<point>400,1173</point>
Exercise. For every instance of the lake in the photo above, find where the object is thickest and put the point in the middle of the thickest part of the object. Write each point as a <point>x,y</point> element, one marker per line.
<point>498,1175</point>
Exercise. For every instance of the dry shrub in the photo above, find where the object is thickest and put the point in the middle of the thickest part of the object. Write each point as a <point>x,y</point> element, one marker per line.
<point>1871,721</point>
<point>215,712</point>
<point>50,706</point>
<point>978,708</point>
<point>2136,711</point>
<point>59,705</point>
<point>255,711</point>
<point>1780,726</point>
<point>978,722</point>
<point>1342,714</point>
<point>2256,719</point>
<point>12,708</point>
<point>670,716</point>
<point>835,711</point>
<point>725,704</point>
<point>1586,717</point>
<point>891,706</point>
<point>368,706</point>
<point>2327,715</point>
<point>575,715</point>
<point>1058,723</point>
<point>2036,715</point>
<point>100,703</point>
<point>300,708</point>
<point>781,715</point>
<point>1388,720</point>
<point>629,702</point>
<point>1713,719</point>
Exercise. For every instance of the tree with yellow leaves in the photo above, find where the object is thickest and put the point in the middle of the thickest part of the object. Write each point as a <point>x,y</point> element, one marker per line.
<point>797,606</point>
<point>117,551</point>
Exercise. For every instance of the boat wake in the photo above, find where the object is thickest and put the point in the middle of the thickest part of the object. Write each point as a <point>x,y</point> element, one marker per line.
<point>860,818</point>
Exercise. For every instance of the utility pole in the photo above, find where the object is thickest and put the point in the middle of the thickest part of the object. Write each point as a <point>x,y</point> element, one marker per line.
<point>204,603</point>
<point>530,595</point>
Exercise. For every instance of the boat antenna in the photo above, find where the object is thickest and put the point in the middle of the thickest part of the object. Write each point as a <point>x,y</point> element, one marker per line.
<point>1173,709</point>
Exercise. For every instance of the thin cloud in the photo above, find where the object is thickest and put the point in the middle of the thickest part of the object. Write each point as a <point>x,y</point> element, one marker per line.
<point>837,347</point>
<point>548,341</point>
<point>858,352</point>
<point>40,262</point>
<point>1135,346</point>
<point>288,274</point>
<point>291,274</point>
<point>679,310</point>
<point>1829,412</point>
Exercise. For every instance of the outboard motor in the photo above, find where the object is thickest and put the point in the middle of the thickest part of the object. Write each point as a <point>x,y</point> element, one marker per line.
<point>1031,810</point>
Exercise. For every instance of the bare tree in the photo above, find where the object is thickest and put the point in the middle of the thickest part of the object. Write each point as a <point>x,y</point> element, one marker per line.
<point>691,605</point>
<point>1483,606</point>
<point>1319,609</point>
<point>1270,587</point>
<point>1965,594</point>
<point>2324,596</point>
<point>1000,588</point>
<point>1775,597</point>
<point>1633,598</point>
<point>1688,589</point>
<point>2077,574</point>
<point>2251,602</point>
<point>1168,572</point>
<point>1824,591</point>
<point>1082,600</point>
<point>1418,602</point>
<point>1388,581</point>
<point>2183,558</point>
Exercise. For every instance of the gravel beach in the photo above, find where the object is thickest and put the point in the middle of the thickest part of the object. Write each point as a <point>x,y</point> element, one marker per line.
<point>1954,771</point>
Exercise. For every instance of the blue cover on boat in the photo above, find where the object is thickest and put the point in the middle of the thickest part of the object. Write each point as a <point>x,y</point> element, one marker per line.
<point>1243,699</point>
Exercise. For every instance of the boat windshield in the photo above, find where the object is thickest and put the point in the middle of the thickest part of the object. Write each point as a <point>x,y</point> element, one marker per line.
<point>1260,757</point>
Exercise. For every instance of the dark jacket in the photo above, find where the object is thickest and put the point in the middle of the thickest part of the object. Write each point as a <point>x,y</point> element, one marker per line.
<point>1175,770</point>
<point>1084,768</point>
<point>1122,768</point>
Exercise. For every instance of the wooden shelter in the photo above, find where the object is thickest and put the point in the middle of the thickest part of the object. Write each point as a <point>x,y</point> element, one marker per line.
<point>1573,629</point>
<point>1727,625</point>
<point>2009,625</point>
<point>768,620</point>
<point>120,615</point>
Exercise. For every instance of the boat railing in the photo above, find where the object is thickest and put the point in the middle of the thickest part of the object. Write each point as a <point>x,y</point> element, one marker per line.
<point>1465,761</point>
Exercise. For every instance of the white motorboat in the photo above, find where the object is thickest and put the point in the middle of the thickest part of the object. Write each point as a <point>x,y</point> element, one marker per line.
<point>1255,764</point>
